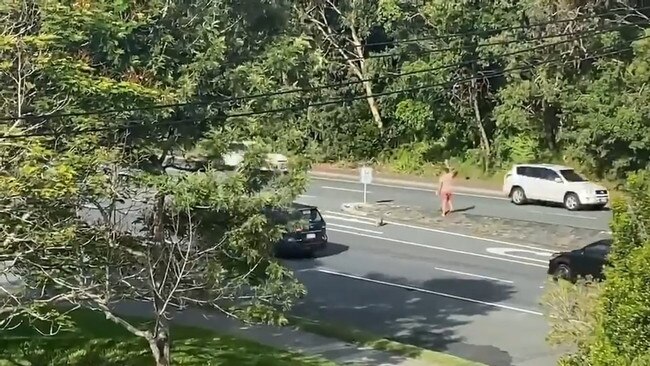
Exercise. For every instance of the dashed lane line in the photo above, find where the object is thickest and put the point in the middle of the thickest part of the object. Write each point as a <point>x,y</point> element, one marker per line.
<point>449,250</point>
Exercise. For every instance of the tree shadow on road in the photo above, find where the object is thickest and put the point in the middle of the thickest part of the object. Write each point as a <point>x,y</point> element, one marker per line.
<point>427,314</point>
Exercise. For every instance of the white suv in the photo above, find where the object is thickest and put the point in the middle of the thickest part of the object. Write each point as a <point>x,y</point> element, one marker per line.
<point>236,151</point>
<point>552,183</point>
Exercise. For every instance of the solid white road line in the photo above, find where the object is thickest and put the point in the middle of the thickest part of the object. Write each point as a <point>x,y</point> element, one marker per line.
<point>473,275</point>
<point>504,252</point>
<point>355,220</point>
<point>306,196</point>
<point>430,292</point>
<point>344,189</point>
<point>355,228</point>
<point>444,232</point>
<point>410,188</point>
<point>563,215</point>
<point>441,249</point>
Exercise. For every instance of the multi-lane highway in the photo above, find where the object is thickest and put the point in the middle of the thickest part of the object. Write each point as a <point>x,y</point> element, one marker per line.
<point>469,296</point>
<point>474,297</point>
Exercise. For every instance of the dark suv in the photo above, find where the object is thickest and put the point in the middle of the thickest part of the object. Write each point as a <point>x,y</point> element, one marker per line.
<point>306,232</point>
<point>583,262</point>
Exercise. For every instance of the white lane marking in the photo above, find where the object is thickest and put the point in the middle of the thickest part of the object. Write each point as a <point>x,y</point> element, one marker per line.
<point>445,232</point>
<point>355,228</point>
<point>411,188</point>
<point>358,221</point>
<point>344,189</point>
<point>505,252</point>
<point>430,292</point>
<point>563,214</point>
<point>306,196</point>
<point>473,275</point>
<point>440,248</point>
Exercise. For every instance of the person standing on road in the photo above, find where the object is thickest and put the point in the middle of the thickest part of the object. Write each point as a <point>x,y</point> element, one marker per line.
<point>445,190</point>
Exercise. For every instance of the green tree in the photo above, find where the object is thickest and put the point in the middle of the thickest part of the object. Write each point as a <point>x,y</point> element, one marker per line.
<point>609,322</point>
<point>92,213</point>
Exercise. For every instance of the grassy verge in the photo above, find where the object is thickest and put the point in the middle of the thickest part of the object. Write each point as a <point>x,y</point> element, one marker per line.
<point>365,339</point>
<point>469,175</point>
<point>96,341</point>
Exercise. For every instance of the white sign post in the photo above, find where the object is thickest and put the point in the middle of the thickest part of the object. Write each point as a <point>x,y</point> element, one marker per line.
<point>366,178</point>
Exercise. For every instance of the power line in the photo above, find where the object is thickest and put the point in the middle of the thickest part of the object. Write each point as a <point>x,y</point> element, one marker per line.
<point>497,30</point>
<point>133,124</point>
<point>497,43</point>
<point>297,90</point>
<point>468,33</point>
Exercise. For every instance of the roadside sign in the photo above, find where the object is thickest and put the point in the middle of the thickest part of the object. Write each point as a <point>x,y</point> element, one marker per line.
<point>366,175</point>
<point>366,178</point>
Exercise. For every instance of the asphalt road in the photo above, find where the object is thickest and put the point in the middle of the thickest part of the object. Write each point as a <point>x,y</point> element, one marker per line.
<point>471,297</point>
<point>464,295</point>
<point>474,204</point>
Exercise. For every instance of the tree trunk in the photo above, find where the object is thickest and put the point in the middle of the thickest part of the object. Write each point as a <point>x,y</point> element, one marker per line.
<point>367,85</point>
<point>350,57</point>
<point>485,142</point>
<point>160,348</point>
<point>374,107</point>
<point>550,125</point>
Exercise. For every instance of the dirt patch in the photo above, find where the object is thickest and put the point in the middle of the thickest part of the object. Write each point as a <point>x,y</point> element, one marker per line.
<point>554,237</point>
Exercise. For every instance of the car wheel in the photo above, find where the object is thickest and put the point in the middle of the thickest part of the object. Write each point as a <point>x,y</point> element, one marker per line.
<point>563,272</point>
<point>572,202</point>
<point>518,196</point>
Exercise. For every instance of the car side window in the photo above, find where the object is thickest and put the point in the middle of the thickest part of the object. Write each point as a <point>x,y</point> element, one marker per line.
<point>536,173</point>
<point>597,249</point>
<point>527,171</point>
<point>549,174</point>
<point>523,171</point>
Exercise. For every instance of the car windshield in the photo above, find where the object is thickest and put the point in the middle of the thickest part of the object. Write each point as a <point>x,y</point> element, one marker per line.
<point>571,176</point>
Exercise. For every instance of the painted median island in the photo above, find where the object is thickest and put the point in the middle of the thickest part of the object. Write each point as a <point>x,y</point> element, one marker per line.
<point>551,236</point>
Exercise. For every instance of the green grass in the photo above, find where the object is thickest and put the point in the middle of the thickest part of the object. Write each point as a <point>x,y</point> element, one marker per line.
<point>365,339</point>
<point>98,342</point>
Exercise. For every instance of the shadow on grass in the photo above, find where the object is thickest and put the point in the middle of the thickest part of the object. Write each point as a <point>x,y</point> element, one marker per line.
<point>98,342</point>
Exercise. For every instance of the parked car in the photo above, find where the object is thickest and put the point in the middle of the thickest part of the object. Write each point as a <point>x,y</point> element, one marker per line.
<point>587,261</point>
<point>306,231</point>
<point>552,183</point>
<point>235,156</point>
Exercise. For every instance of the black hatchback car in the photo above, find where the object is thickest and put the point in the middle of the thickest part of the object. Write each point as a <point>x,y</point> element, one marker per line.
<point>306,232</point>
<point>587,261</point>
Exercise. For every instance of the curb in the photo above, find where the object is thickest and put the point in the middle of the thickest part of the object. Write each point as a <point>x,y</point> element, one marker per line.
<point>351,209</point>
<point>407,184</point>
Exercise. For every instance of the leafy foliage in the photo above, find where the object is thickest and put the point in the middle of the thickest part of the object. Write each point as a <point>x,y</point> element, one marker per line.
<point>397,81</point>
<point>93,213</point>
<point>609,322</point>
